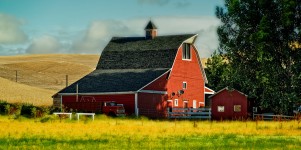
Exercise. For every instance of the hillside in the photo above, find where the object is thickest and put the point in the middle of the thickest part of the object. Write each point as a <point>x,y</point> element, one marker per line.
<point>47,71</point>
<point>14,92</point>
<point>41,76</point>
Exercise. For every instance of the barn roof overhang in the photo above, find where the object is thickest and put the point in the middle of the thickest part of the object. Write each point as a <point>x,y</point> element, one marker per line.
<point>209,91</point>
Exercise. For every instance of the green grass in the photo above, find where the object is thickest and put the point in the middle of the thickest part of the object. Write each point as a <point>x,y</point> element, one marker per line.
<point>117,133</point>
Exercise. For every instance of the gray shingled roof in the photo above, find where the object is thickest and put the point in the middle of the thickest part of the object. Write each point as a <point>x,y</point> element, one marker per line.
<point>140,53</point>
<point>129,63</point>
<point>112,80</point>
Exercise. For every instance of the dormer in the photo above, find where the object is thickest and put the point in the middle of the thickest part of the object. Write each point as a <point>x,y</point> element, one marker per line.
<point>150,30</point>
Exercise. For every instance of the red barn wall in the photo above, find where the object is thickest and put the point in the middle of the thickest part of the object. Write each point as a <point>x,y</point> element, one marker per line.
<point>152,105</point>
<point>228,99</point>
<point>159,85</point>
<point>155,105</point>
<point>189,71</point>
<point>92,103</point>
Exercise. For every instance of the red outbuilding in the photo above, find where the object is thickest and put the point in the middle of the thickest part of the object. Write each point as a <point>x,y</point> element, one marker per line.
<point>146,74</point>
<point>229,104</point>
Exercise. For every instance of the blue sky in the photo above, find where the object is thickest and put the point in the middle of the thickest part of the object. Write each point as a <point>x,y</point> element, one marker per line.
<point>79,26</point>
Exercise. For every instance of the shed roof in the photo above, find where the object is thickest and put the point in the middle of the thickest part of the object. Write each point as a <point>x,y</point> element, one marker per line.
<point>227,88</point>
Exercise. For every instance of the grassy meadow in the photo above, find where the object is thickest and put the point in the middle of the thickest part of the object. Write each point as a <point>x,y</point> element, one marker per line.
<point>121,133</point>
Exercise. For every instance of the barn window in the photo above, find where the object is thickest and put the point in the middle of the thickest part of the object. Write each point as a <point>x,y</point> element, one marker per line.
<point>176,102</point>
<point>237,108</point>
<point>194,103</point>
<point>220,108</point>
<point>186,54</point>
<point>184,85</point>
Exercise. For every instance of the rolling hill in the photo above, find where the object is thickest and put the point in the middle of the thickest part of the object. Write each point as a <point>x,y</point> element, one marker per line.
<point>41,76</point>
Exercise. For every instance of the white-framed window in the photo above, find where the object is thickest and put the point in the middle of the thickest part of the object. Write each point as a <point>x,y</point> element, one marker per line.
<point>237,108</point>
<point>184,85</point>
<point>186,52</point>
<point>176,103</point>
<point>194,103</point>
<point>185,104</point>
<point>220,108</point>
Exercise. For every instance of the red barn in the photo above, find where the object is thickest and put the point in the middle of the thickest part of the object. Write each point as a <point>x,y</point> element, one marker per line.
<point>229,104</point>
<point>145,74</point>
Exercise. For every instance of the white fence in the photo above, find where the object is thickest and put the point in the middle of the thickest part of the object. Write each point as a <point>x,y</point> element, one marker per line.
<point>189,113</point>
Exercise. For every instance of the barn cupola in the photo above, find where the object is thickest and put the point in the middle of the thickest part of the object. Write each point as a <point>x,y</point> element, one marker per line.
<point>150,30</point>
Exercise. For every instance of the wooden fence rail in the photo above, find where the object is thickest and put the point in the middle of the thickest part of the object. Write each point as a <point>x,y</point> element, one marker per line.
<point>270,116</point>
<point>189,113</point>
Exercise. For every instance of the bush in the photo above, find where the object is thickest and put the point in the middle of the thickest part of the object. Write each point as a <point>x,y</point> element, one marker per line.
<point>2,107</point>
<point>26,110</point>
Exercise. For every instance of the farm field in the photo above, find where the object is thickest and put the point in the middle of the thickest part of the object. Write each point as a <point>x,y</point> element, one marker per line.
<point>118,133</point>
<point>40,76</point>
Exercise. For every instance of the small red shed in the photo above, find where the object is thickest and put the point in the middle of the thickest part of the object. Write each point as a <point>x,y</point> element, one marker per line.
<point>229,104</point>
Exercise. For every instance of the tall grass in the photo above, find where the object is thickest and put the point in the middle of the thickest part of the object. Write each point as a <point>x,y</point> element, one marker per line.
<point>142,133</point>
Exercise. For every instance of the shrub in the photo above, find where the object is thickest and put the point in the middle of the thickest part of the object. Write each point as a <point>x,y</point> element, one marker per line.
<point>26,110</point>
<point>2,107</point>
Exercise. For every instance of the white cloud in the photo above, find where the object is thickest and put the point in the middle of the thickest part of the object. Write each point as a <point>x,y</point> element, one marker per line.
<point>10,32</point>
<point>99,33</point>
<point>44,45</point>
<point>205,27</point>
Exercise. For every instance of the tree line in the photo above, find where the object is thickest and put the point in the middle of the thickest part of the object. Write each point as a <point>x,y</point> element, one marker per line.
<point>259,52</point>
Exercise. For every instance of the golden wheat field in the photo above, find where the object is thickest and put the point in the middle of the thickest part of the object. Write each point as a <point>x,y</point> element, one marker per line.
<point>40,76</point>
<point>122,133</point>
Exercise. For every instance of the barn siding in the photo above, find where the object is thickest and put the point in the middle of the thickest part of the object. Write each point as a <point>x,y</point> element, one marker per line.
<point>190,72</point>
<point>152,105</point>
<point>228,99</point>
<point>159,85</point>
<point>91,103</point>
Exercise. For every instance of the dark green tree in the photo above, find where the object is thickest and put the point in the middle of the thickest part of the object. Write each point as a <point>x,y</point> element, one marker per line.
<point>217,71</point>
<point>262,41</point>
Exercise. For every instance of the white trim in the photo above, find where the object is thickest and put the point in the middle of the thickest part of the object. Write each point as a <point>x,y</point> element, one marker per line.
<point>169,100</point>
<point>136,105</point>
<point>177,55</point>
<point>176,103</point>
<point>182,45</point>
<point>153,92</point>
<point>194,103</point>
<point>208,89</point>
<point>201,65</point>
<point>185,101</point>
<point>184,82</point>
<point>154,80</point>
<point>191,40</point>
<point>106,93</point>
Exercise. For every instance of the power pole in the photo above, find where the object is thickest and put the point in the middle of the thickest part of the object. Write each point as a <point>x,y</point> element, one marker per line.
<point>16,75</point>
<point>66,80</point>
